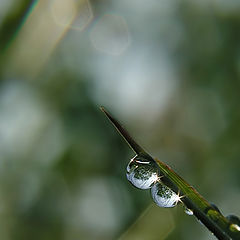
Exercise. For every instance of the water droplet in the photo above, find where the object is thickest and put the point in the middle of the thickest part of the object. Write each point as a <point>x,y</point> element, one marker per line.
<point>233,219</point>
<point>163,196</point>
<point>142,173</point>
<point>235,226</point>
<point>215,207</point>
<point>188,211</point>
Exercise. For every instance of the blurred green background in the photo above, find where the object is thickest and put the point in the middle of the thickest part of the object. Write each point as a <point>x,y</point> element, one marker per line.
<point>169,70</point>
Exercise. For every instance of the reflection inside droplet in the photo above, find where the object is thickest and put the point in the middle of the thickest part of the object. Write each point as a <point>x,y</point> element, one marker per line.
<point>163,196</point>
<point>188,211</point>
<point>142,173</point>
<point>235,226</point>
<point>215,207</point>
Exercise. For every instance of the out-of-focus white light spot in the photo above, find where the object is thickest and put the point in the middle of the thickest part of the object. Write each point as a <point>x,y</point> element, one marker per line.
<point>145,88</point>
<point>22,116</point>
<point>110,34</point>
<point>75,14</point>
<point>140,85</point>
<point>95,203</point>
<point>64,11</point>
<point>98,209</point>
<point>84,15</point>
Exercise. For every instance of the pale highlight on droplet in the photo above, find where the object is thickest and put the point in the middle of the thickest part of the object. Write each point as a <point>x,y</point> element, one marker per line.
<point>110,34</point>
<point>235,227</point>
<point>188,211</point>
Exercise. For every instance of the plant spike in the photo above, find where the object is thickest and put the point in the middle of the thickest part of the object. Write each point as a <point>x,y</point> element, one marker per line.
<point>131,142</point>
<point>205,212</point>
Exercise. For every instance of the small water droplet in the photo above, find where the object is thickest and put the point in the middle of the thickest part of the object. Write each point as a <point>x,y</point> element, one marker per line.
<point>215,207</point>
<point>233,219</point>
<point>142,173</point>
<point>235,226</point>
<point>188,211</point>
<point>163,196</point>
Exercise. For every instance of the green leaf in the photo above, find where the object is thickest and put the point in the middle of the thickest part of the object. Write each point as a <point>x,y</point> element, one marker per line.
<point>208,214</point>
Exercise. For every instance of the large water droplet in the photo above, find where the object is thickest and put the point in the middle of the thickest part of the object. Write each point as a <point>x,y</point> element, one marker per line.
<point>142,173</point>
<point>188,211</point>
<point>163,196</point>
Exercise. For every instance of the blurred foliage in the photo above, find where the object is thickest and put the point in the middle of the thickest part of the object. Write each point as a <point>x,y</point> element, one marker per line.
<point>169,70</point>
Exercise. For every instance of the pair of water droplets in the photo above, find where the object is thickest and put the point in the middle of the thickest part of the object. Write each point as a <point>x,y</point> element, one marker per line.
<point>145,174</point>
